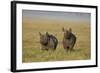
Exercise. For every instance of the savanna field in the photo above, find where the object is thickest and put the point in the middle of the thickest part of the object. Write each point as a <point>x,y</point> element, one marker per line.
<point>31,51</point>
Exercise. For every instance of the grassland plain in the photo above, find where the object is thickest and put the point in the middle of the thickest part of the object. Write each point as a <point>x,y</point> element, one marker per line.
<point>31,47</point>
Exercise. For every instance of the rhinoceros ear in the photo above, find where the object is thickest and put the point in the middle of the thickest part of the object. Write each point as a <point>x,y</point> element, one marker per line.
<point>47,33</point>
<point>63,29</point>
<point>70,29</point>
<point>40,33</point>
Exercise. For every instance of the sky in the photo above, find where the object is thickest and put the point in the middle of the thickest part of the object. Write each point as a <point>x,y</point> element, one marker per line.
<point>55,15</point>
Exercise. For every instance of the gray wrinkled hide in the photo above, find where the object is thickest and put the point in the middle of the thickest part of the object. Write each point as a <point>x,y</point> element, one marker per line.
<point>69,39</point>
<point>48,41</point>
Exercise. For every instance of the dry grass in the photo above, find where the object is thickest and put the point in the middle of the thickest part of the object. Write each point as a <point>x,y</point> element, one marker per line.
<point>31,46</point>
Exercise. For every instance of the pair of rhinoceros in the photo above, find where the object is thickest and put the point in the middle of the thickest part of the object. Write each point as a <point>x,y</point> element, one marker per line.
<point>49,41</point>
